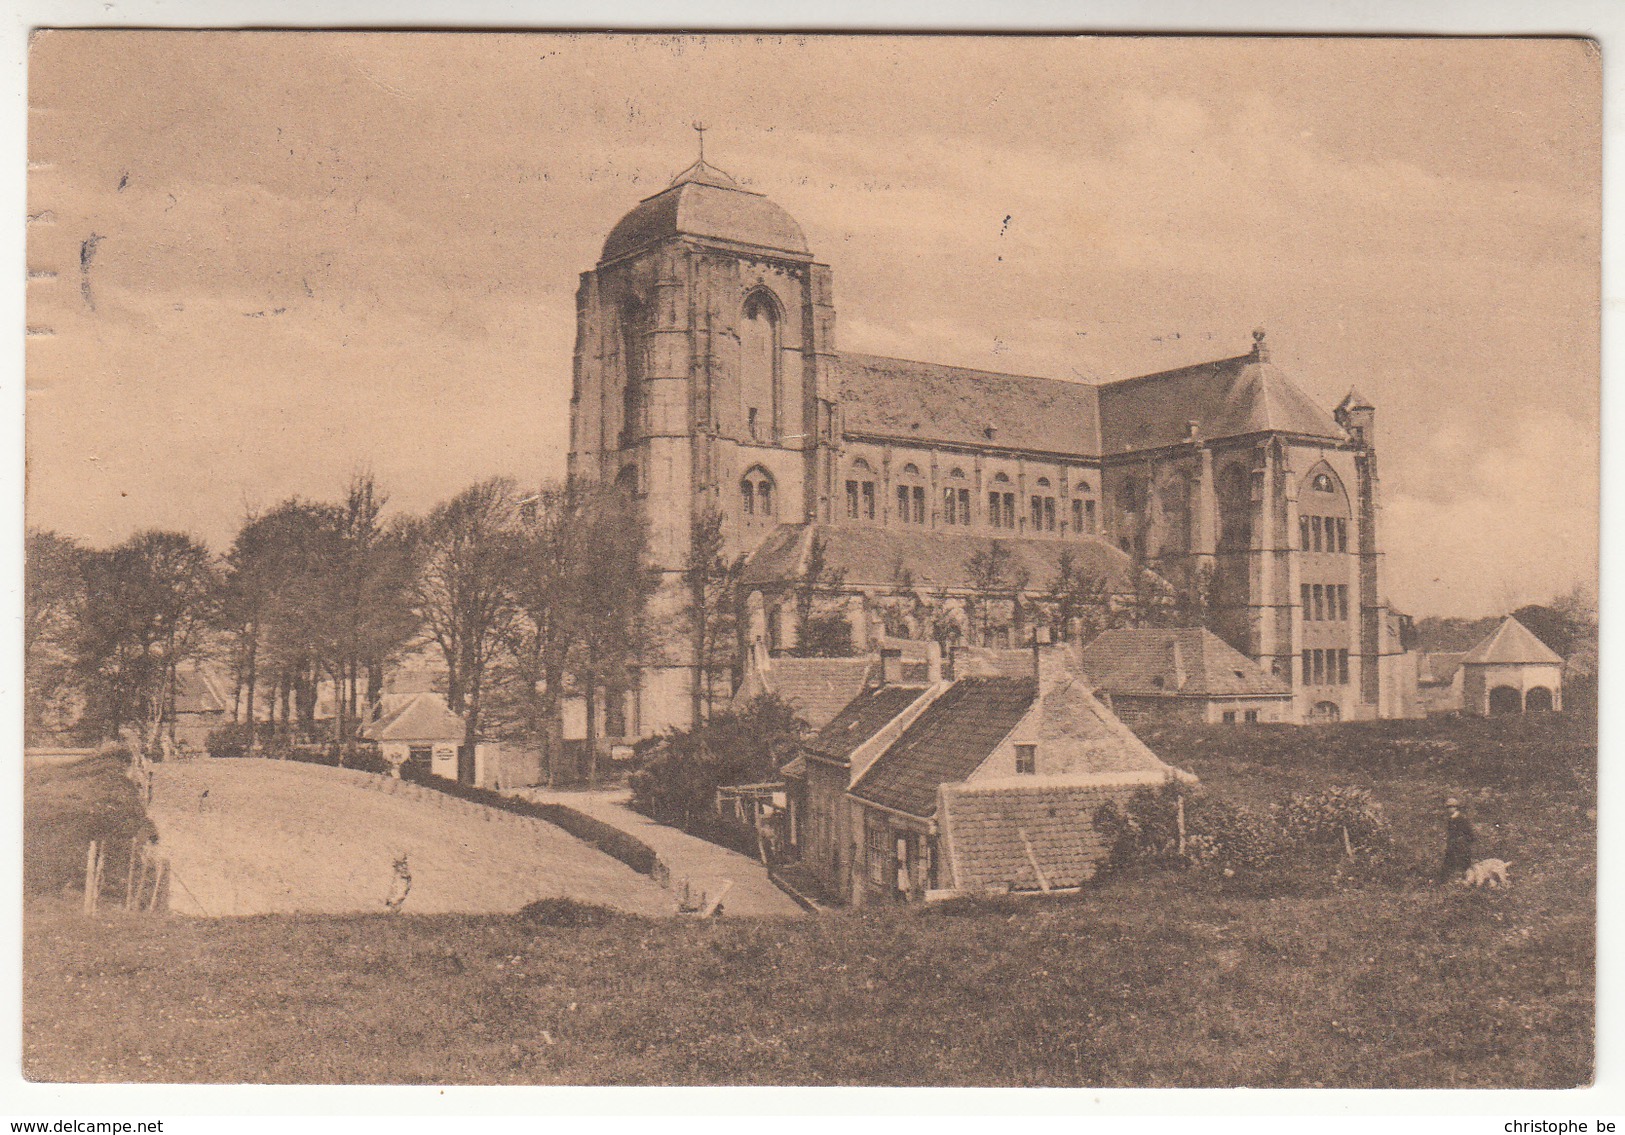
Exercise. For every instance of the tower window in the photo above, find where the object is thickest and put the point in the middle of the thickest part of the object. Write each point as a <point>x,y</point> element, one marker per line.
<point>759,366</point>
<point>756,495</point>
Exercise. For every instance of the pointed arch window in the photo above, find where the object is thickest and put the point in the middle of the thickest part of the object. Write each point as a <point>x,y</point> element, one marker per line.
<point>634,372</point>
<point>910,488</point>
<point>1083,509</point>
<point>757,501</point>
<point>1043,506</point>
<point>1001,503</point>
<point>956,498</point>
<point>759,350</point>
<point>860,491</point>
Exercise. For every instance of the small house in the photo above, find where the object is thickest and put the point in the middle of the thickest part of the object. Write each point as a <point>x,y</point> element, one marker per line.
<point>420,730</point>
<point>983,784</point>
<point>1511,671</point>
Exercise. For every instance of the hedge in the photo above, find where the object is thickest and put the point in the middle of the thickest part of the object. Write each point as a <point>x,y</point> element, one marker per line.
<point>610,840</point>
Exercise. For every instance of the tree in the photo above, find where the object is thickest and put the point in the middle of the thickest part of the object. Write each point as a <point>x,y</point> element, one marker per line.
<point>611,589</point>
<point>53,602</point>
<point>471,550</point>
<point>1079,598</point>
<point>820,633</point>
<point>713,606</point>
<point>539,639</point>
<point>990,581</point>
<point>147,602</point>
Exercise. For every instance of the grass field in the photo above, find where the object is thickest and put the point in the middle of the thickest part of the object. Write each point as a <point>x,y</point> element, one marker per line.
<point>1142,980</point>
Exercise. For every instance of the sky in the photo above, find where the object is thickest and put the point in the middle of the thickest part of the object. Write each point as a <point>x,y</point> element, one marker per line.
<point>261,262</point>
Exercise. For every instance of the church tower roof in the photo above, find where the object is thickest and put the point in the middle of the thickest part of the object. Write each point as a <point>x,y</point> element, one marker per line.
<point>704,201</point>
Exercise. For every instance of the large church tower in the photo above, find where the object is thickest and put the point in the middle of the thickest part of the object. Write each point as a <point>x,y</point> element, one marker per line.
<point>702,360</point>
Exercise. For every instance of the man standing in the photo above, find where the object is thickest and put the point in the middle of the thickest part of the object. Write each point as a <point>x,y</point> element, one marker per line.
<point>1458,841</point>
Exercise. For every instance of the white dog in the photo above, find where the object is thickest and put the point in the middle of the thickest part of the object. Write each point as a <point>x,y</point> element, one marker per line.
<point>1487,873</point>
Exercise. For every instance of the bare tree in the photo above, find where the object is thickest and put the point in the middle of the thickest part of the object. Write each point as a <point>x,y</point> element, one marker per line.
<point>464,598</point>
<point>612,587</point>
<point>713,606</point>
<point>539,640</point>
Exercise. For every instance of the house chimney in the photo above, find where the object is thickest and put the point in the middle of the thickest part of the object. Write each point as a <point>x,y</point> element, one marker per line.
<point>933,662</point>
<point>1052,665</point>
<point>1179,666</point>
<point>891,666</point>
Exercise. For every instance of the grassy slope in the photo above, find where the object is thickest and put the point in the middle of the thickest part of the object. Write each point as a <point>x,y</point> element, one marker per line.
<point>1141,981</point>
<point>67,806</point>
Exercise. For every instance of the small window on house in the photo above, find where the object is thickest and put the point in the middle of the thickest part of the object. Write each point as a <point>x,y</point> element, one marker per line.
<point>420,755</point>
<point>877,853</point>
<point>1251,716</point>
<point>1026,759</point>
<point>1229,717</point>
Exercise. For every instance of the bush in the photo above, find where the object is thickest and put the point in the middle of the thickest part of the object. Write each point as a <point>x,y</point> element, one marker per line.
<point>566,912</point>
<point>1339,818</point>
<point>116,750</point>
<point>612,841</point>
<point>683,768</point>
<point>230,740</point>
<point>1235,838</point>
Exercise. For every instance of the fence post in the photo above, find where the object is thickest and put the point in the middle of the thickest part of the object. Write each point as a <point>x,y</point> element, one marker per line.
<point>1179,818</point>
<point>90,878</point>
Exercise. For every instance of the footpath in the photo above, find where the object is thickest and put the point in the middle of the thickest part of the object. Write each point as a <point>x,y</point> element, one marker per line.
<point>702,864</point>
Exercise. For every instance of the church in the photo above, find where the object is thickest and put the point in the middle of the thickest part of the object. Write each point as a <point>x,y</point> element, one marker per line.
<point>708,381</point>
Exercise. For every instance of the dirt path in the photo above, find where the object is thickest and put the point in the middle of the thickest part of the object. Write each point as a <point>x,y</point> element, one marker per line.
<point>259,837</point>
<point>705,865</point>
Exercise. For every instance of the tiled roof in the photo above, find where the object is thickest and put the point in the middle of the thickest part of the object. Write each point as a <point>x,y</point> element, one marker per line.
<point>1438,667</point>
<point>995,830</point>
<point>1144,662</point>
<point>946,743</point>
<point>1509,644</point>
<point>420,717</point>
<point>931,402</point>
<point>1228,398</point>
<point>867,714</point>
<point>818,688</point>
<point>870,557</point>
<point>707,206</point>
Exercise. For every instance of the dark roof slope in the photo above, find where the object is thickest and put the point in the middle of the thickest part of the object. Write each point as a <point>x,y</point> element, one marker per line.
<point>870,556</point>
<point>930,402</point>
<point>1183,661</point>
<point>946,743</point>
<point>1228,398</point>
<point>1509,644</point>
<point>863,717</point>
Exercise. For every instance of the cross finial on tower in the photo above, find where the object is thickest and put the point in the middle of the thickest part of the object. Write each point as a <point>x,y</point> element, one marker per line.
<point>700,128</point>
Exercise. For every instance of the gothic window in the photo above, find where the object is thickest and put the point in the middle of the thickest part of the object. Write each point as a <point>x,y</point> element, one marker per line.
<point>1174,503</point>
<point>860,491</point>
<point>1043,506</point>
<point>1235,510</point>
<point>910,495</point>
<point>1001,503</point>
<point>1083,509</point>
<point>756,496</point>
<point>956,499</point>
<point>759,366</point>
<point>633,359</point>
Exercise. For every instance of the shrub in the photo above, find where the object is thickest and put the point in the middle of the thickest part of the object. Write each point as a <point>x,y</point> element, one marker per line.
<point>612,841</point>
<point>566,912</point>
<point>683,768</point>
<point>1339,818</point>
<point>116,750</point>
<point>230,740</point>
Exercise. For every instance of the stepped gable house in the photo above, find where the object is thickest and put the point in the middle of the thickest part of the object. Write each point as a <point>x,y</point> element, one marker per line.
<point>707,375</point>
